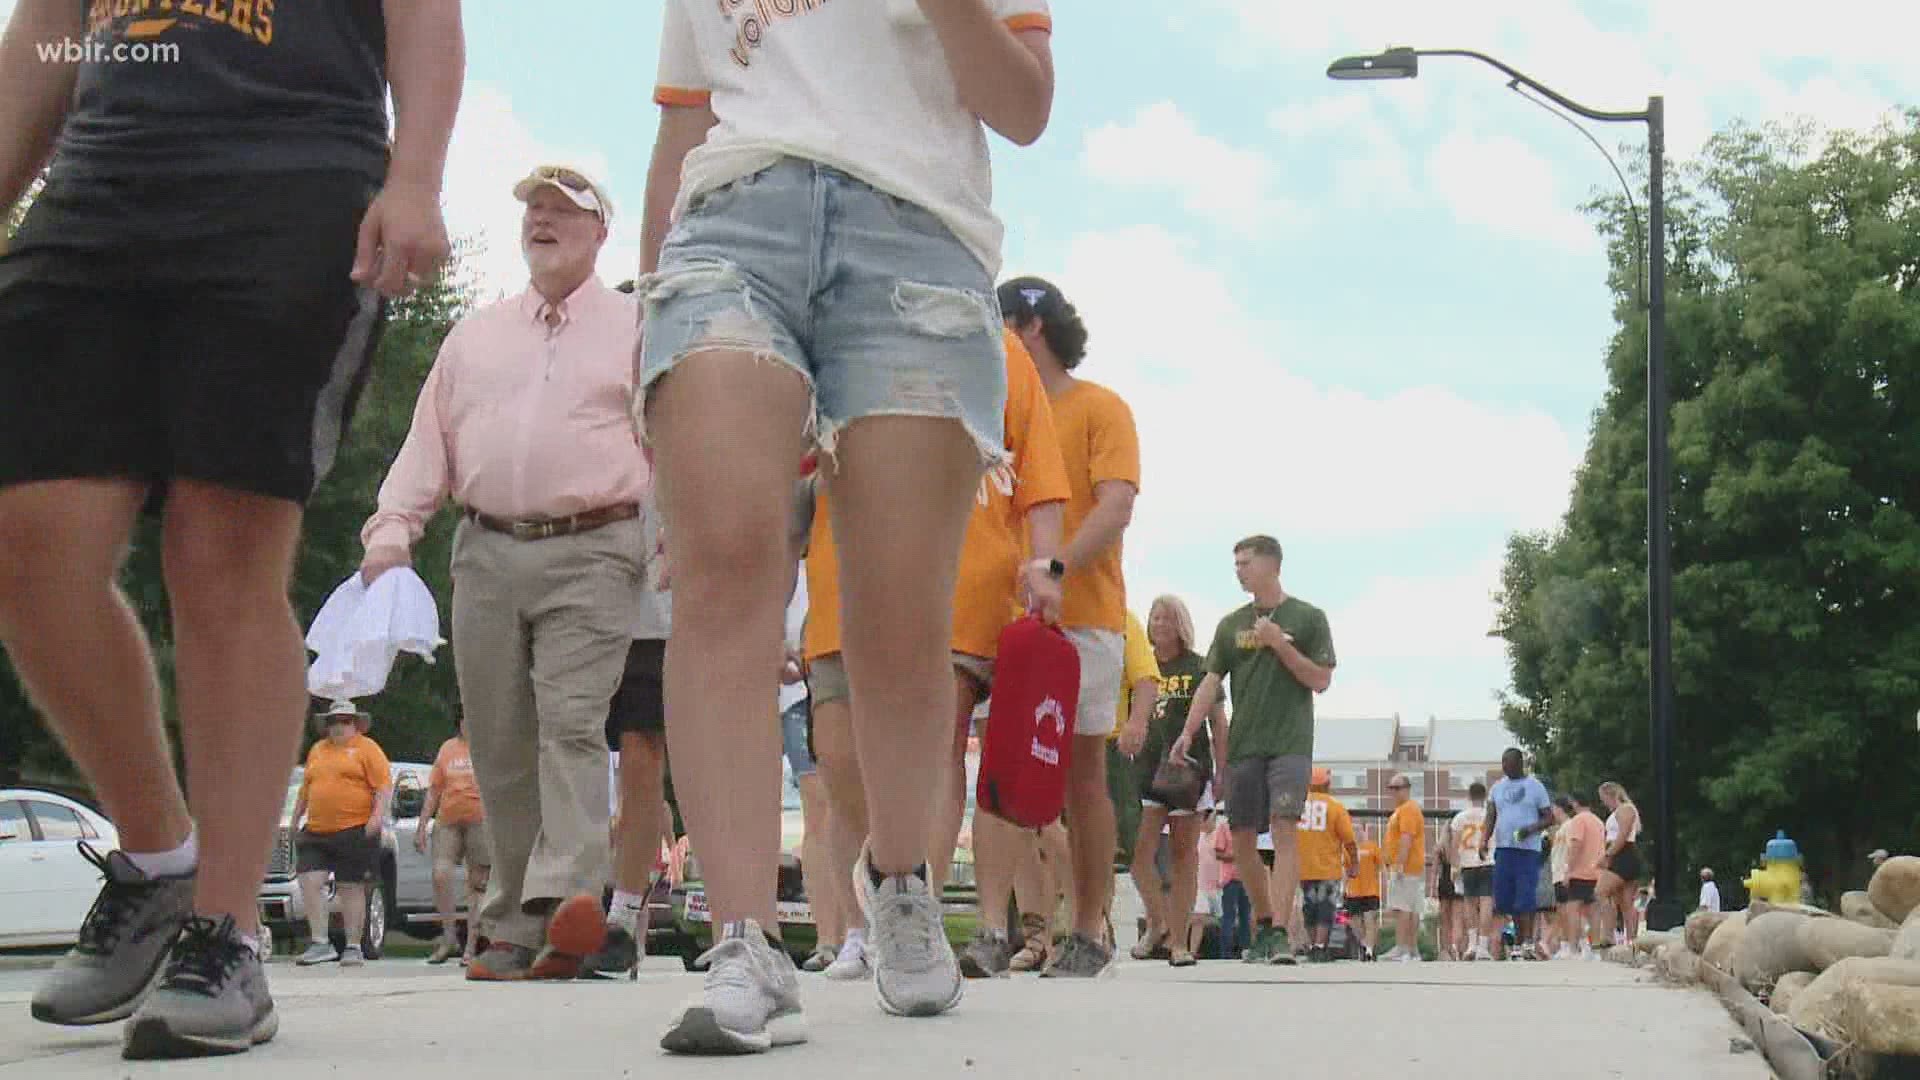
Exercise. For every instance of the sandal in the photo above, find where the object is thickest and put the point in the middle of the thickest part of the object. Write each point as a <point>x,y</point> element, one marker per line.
<point>1147,946</point>
<point>1181,958</point>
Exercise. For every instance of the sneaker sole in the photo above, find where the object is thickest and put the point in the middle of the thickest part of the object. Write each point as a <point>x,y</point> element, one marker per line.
<point>862,975</point>
<point>924,1007</point>
<point>578,927</point>
<point>152,1039</point>
<point>697,1032</point>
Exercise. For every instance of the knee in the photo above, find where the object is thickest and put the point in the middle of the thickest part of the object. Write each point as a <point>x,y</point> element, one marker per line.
<point>217,553</point>
<point>442,877</point>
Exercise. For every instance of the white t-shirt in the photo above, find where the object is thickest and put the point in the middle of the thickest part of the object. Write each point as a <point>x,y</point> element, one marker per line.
<point>1709,896</point>
<point>858,85</point>
<point>654,620</point>
<point>1469,826</point>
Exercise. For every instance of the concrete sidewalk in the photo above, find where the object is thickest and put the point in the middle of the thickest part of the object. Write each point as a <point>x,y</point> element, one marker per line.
<point>1405,1022</point>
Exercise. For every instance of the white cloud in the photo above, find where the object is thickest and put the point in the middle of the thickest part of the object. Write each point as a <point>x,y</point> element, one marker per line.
<point>1371,167</point>
<point>1499,182</point>
<point>1161,149</point>
<point>493,147</point>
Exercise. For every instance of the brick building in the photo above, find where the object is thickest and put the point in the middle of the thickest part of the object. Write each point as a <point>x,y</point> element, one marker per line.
<point>1441,757</point>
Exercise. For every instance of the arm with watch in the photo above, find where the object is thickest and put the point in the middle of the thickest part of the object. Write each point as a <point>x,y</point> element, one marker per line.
<point>1040,584</point>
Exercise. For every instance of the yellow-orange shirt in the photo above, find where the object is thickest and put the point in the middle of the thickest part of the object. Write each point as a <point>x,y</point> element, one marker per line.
<point>340,783</point>
<point>452,777</point>
<point>1325,831</point>
<point>1368,881</point>
<point>1407,821</point>
<point>987,586</point>
<point>1140,665</point>
<point>1099,443</point>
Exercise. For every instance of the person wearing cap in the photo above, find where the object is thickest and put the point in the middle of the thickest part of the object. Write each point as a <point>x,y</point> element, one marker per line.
<point>1328,852</point>
<point>818,263</point>
<point>457,821</point>
<point>527,423</point>
<point>1101,449</point>
<point>344,794</point>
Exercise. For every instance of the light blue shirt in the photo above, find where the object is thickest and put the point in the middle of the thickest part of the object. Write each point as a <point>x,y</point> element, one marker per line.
<point>1521,803</point>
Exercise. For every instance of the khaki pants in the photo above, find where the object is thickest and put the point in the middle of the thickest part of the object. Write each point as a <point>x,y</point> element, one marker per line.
<point>540,636</point>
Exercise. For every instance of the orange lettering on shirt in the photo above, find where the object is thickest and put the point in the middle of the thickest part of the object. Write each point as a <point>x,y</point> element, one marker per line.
<point>240,16</point>
<point>215,11</point>
<point>192,7</point>
<point>263,24</point>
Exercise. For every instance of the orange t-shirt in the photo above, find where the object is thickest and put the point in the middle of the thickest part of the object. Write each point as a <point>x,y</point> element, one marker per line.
<point>1588,840</point>
<point>1367,883</point>
<point>985,595</point>
<point>1407,821</point>
<point>340,782</point>
<point>452,777</point>
<point>1325,831</point>
<point>1099,443</point>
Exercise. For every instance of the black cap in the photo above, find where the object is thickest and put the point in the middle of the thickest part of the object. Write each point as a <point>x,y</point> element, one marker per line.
<point>1023,298</point>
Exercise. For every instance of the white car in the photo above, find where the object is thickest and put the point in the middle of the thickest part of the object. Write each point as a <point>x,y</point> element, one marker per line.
<point>46,885</point>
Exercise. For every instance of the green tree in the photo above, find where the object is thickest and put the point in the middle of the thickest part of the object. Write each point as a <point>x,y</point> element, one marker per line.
<point>1794,343</point>
<point>412,715</point>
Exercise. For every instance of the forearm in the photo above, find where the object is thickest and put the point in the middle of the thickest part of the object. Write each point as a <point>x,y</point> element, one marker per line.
<point>1101,530</point>
<point>1205,703</point>
<point>682,127</point>
<point>432,808</point>
<point>1045,523</point>
<point>1309,674</point>
<point>382,799</point>
<point>1401,850</point>
<point>426,65</point>
<point>1144,693</point>
<point>35,104</point>
<point>1217,728</point>
<point>1002,79</point>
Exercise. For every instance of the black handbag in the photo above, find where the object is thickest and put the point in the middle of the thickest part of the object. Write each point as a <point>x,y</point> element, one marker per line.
<point>1178,783</point>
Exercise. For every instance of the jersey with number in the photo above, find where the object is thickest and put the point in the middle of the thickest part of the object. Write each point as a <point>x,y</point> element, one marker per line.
<point>1469,828</point>
<point>1326,831</point>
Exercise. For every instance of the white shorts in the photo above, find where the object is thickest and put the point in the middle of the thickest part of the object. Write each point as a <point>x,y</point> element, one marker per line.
<point>1103,664</point>
<point>1408,892</point>
<point>1206,804</point>
<point>1207,903</point>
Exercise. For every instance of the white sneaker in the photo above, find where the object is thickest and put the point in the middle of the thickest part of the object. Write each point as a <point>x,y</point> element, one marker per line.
<point>1482,953</point>
<point>1564,952</point>
<point>1411,957</point>
<point>851,965</point>
<point>750,1003</point>
<point>915,970</point>
<point>1393,955</point>
<point>1587,953</point>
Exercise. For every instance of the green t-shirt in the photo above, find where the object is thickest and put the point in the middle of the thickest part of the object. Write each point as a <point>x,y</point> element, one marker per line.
<point>1179,678</point>
<point>1272,711</point>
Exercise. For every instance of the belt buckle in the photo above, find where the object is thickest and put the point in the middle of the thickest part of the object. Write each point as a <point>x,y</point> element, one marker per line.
<point>531,530</point>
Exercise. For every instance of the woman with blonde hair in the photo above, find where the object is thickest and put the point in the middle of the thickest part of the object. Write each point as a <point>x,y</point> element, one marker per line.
<point>1621,870</point>
<point>1170,630</point>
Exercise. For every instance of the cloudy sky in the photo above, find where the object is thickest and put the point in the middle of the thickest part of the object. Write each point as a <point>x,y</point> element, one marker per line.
<point>1366,318</point>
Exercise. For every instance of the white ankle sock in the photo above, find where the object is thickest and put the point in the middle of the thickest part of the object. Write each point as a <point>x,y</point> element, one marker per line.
<point>170,863</point>
<point>627,909</point>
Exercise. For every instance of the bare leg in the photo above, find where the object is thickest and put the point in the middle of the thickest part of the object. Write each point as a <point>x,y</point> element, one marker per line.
<point>1092,836</point>
<point>82,654</point>
<point>1146,875</point>
<point>846,800</point>
<point>1286,864</point>
<point>900,491</point>
<point>1001,853</point>
<point>476,895</point>
<point>728,431</point>
<point>443,901</point>
<point>1246,852</point>
<point>1370,926</point>
<point>313,894</point>
<point>817,866</point>
<point>353,911</point>
<point>643,793</point>
<point>952,806</point>
<point>1186,878</point>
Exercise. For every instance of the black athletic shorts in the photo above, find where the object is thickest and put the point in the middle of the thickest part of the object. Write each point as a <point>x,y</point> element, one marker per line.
<point>639,703</point>
<point>196,327</point>
<point>350,854</point>
<point>1362,905</point>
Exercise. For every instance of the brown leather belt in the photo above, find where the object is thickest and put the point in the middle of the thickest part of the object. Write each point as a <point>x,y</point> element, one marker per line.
<point>547,528</point>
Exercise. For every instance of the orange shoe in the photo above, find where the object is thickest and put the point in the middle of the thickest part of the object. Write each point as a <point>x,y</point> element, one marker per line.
<point>501,962</point>
<point>577,927</point>
<point>554,965</point>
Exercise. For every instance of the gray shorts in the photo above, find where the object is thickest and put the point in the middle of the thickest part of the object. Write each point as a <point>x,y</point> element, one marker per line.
<point>1263,790</point>
<point>827,676</point>
<point>1318,901</point>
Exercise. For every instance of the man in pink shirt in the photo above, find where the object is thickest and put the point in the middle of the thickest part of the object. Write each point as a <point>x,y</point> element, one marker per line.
<point>526,422</point>
<point>1587,846</point>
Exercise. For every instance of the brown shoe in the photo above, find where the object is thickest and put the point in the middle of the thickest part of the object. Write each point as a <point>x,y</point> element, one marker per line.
<point>552,964</point>
<point>577,927</point>
<point>501,963</point>
<point>1033,954</point>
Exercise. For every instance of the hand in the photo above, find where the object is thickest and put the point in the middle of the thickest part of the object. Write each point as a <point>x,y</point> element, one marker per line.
<point>420,839</point>
<point>662,568</point>
<point>1040,592</point>
<point>403,238</point>
<point>1353,871</point>
<point>1132,738</point>
<point>794,670</point>
<point>1270,634</point>
<point>1181,746</point>
<point>373,827</point>
<point>1483,849</point>
<point>374,565</point>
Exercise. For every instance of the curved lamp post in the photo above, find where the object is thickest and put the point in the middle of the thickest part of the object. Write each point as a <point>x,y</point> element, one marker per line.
<point>1668,909</point>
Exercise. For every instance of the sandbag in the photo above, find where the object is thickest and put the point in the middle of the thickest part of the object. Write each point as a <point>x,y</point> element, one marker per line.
<point>1895,888</point>
<point>1700,927</point>
<point>1677,963</point>
<point>1652,941</point>
<point>1906,943</point>
<point>1859,907</point>
<point>1769,949</point>
<point>1817,1007</point>
<point>1787,987</point>
<point>1725,941</point>
<point>1828,941</point>
<point>1881,1017</point>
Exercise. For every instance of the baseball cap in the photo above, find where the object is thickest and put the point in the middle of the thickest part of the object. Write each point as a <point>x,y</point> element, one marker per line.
<point>577,186</point>
<point>1023,298</point>
<point>1879,855</point>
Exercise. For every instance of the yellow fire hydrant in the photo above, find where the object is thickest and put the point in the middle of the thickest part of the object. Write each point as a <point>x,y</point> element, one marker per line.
<point>1778,879</point>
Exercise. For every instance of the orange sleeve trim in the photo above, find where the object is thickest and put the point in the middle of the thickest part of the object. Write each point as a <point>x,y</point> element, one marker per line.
<point>1035,20</point>
<point>675,95</point>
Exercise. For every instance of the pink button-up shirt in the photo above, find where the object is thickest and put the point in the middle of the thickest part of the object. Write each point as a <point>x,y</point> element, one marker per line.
<point>521,418</point>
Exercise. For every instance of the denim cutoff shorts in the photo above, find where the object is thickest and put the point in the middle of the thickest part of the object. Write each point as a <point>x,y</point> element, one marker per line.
<point>872,299</point>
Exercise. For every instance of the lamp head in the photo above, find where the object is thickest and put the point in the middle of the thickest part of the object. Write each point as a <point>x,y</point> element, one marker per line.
<point>1395,63</point>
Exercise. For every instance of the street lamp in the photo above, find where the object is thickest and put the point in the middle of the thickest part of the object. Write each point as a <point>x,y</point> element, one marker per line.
<point>1667,909</point>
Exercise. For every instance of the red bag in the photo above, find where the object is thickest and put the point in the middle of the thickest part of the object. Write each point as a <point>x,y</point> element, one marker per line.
<point>1024,757</point>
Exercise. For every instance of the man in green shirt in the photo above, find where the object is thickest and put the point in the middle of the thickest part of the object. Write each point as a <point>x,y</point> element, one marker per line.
<point>1275,654</point>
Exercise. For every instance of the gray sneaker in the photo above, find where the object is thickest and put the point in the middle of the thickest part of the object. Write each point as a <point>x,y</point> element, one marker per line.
<point>123,944</point>
<point>749,1004</point>
<point>913,964</point>
<point>988,956</point>
<point>351,956</point>
<point>317,953</point>
<point>212,999</point>
<point>1081,958</point>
